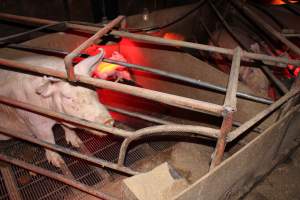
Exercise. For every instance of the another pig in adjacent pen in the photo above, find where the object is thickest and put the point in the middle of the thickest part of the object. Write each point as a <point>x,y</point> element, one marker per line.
<point>251,76</point>
<point>47,92</point>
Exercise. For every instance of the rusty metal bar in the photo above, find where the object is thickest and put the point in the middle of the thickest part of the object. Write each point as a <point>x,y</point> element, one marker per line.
<point>151,39</point>
<point>266,26</point>
<point>10,182</point>
<point>221,143</point>
<point>168,42</point>
<point>190,80</point>
<point>240,130</point>
<point>161,97</point>
<point>290,34</point>
<point>155,71</point>
<point>26,33</point>
<point>56,176</point>
<point>140,116</point>
<point>164,129</point>
<point>123,150</point>
<point>27,20</point>
<point>230,99</point>
<point>230,105</point>
<point>64,117</point>
<point>69,58</point>
<point>157,120</point>
<point>97,161</point>
<point>275,80</point>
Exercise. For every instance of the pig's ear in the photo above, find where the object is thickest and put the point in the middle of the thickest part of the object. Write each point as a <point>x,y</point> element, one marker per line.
<point>47,88</point>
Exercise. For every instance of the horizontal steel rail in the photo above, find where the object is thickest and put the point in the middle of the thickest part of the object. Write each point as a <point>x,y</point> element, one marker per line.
<point>161,97</point>
<point>176,43</point>
<point>151,39</point>
<point>139,116</point>
<point>195,82</point>
<point>64,117</point>
<point>96,161</point>
<point>27,33</point>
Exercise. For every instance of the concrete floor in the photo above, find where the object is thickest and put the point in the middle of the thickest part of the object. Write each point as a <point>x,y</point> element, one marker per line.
<point>283,183</point>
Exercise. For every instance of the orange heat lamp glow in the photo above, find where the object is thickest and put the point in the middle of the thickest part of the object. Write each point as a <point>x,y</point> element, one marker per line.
<point>281,2</point>
<point>106,68</point>
<point>173,36</point>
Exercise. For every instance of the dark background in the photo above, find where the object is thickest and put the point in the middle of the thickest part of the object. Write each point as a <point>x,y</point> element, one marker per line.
<point>84,10</point>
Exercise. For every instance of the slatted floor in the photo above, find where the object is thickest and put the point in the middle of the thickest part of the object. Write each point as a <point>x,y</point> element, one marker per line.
<point>40,187</point>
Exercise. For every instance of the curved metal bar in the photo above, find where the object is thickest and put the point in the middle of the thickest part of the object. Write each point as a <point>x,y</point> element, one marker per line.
<point>200,130</point>
<point>164,130</point>
<point>123,151</point>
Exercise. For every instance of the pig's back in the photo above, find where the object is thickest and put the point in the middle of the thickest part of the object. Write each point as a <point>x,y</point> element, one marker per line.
<point>21,86</point>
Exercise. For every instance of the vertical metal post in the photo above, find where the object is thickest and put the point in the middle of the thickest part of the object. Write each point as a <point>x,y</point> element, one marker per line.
<point>229,108</point>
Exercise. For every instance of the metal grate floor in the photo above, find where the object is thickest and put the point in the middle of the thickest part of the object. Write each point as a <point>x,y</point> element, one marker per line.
<point>40,187</point>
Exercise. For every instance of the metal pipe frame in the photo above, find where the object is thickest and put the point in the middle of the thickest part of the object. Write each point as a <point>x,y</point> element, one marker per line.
<point>213,133</point>
<point>56,176</point>
<point>226,110</point>
<point>161,130</point>
<point>230,105</point>
<point>264,68</point>
<point>161,97</point>
<point>165,130</point>
<point>69,58</point>
<point>151,39</point>
<point>174,76</point>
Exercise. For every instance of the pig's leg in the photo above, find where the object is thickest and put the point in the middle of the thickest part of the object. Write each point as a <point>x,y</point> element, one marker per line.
<point>71,137</point>
<point>41,127</point>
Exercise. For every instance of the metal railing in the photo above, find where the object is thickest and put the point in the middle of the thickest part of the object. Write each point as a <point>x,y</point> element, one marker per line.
<point>222,135</point>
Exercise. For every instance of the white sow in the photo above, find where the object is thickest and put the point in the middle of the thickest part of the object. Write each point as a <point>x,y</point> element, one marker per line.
<point>47,92</point>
